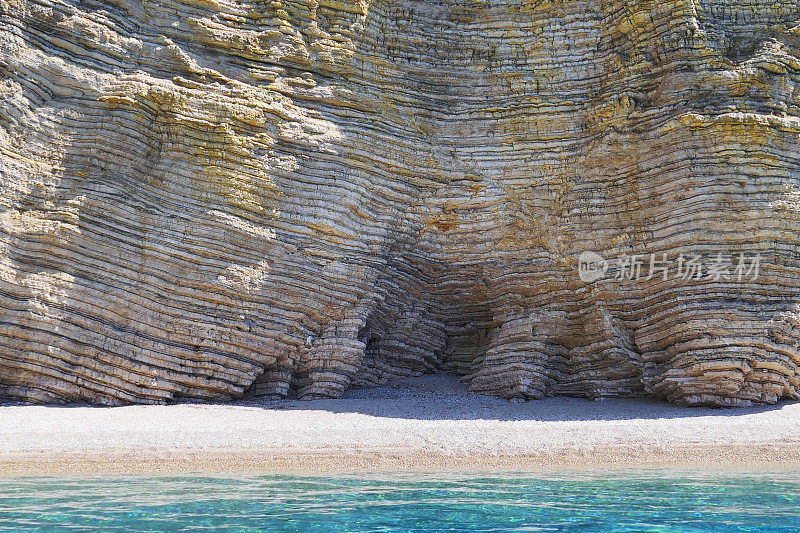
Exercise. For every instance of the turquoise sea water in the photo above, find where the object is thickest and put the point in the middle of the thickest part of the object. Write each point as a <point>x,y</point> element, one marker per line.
<point>593,502</point>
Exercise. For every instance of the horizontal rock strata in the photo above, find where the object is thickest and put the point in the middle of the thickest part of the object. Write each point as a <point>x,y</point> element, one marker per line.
<point>209,199</point>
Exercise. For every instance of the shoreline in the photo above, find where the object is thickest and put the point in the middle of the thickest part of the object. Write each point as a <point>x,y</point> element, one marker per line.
<point>427,424</point>
<point>266,462</point>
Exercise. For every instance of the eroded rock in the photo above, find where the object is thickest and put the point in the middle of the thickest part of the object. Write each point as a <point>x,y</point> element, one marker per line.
<point>207,199</point>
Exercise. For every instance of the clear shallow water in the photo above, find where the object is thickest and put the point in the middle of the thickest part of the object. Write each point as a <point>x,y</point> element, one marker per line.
<point>597,503</point>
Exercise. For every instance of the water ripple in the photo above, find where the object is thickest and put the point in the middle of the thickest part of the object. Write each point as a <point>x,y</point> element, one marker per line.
<point>598,503</point>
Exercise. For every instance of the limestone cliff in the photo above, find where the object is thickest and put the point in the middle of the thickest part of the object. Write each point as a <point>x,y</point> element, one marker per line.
<point>205,199</point>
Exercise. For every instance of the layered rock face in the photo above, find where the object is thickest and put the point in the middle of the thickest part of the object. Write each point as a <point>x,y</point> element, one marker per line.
<point>207,199</point>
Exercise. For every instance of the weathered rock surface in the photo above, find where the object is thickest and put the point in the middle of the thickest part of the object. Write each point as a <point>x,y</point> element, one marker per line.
<point>204,199</point>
